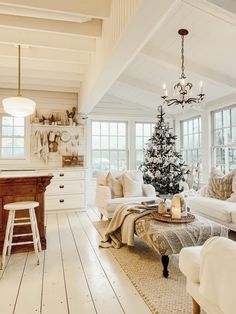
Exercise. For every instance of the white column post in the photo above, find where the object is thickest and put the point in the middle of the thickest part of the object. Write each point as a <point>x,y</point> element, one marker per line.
<point>206,145</point>
<point>131,144</point>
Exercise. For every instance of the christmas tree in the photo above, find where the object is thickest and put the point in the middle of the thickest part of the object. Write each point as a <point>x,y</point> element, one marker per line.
<point>163,166</point>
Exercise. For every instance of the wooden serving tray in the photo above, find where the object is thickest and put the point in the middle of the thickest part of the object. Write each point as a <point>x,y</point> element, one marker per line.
<point>169,219</point>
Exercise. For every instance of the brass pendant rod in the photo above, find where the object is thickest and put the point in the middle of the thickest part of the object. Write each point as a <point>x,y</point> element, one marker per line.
<point>182,57</point>
<point>19,72</point>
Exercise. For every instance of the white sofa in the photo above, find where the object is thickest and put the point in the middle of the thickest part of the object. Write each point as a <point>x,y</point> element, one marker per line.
<point>211,275</point>
<point>223,212</point>
<point>104,201</point>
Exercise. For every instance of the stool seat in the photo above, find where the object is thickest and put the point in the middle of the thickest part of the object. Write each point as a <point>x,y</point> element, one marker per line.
<point>21,205</point>
<point>19,222</point>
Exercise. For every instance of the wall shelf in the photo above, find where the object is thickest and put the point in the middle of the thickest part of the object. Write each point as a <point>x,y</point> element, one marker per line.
<point>36,125</point>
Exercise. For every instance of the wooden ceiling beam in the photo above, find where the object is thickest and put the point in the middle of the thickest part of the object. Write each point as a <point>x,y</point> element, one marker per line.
<point>46,65</point>
<point>41,39</point>
<point>29,83</point>
<point>150,15</point>
<point>41,74</point>
<point>39,86</point>
<point>126,102</point>
<point>58,16</point>
<point>215,7</point>
<point>170,61</point>
<point>91,28</point>
<point>38,53</point>
<point>89,8</point>
<point>140,84</point>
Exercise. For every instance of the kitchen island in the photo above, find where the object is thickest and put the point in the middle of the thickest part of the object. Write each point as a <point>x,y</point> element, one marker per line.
<point>15,187</point>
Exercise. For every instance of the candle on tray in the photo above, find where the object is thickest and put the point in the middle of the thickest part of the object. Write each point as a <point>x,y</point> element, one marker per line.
<point>162,207</point>
<point>176,212</point>
<point>200,87</point>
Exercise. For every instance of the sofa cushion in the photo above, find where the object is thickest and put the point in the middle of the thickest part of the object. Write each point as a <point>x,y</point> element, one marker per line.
<point>234,183</point>
<point>115,185</point>
<point>189,263</point>
<point>101,177</point>
<point>148,190</point>
<point>114,203</point>
<point>232,197</point>
<point>233,213</point>
<point>220,186</point>
<point>132,186</point>
<point>211,207</point>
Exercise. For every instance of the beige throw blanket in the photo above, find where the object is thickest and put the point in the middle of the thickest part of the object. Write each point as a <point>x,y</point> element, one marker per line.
<point>121,228</point>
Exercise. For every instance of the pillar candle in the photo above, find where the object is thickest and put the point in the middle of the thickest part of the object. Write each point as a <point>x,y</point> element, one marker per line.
<point>175,212</point>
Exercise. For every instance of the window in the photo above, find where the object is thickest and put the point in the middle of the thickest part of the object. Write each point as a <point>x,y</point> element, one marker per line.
<point>109,146</point>
<point>191,140</point>
<point>224,138</point>
<point>12,137</point>
<point>143,133</point>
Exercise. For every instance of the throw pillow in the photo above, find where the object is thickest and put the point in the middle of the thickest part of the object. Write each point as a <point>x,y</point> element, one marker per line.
<point>234,182</point>
<point>115,185</point>
<point>132,187</point>
<point>220,186</point>
<point>232,198</point>
<point>233,195</point>
<point>203,191</point>
<point>135,175</point>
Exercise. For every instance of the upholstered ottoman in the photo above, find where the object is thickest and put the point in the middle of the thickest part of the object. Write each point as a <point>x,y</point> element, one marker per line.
<point>170,238</point>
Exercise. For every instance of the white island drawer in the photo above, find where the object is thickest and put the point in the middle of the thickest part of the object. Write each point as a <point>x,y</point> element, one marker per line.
<point>65,187</point>
<point>64,202</point>
<point>59,175</point>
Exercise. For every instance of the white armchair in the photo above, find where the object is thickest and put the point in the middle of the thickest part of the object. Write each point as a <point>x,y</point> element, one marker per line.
<point>211,275</point>
<point>107,205</point>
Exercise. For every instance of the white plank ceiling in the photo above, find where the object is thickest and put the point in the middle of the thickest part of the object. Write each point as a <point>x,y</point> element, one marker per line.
<point>210,51</point>
<point>57,38</point>
<point>60,38</point>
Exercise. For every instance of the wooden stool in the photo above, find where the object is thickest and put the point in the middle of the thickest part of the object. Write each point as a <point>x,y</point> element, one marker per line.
<point>12,221</point>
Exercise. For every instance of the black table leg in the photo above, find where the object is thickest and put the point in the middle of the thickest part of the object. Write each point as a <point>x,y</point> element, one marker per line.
<point>165,262</point>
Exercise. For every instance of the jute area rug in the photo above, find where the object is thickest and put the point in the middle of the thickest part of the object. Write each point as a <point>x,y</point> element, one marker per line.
<point>143,267</point>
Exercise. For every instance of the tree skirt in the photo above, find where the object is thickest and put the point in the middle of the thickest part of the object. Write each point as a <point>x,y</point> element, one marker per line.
<point>143,267</point>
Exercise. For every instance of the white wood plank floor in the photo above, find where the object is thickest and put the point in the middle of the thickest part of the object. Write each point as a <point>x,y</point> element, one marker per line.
<point>74,276</point>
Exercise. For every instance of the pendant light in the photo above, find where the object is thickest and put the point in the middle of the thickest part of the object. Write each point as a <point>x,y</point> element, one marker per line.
<point>19,106</point>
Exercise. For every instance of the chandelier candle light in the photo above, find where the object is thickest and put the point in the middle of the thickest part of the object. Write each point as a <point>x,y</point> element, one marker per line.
<point>19,106</point>
<point>183,88</point>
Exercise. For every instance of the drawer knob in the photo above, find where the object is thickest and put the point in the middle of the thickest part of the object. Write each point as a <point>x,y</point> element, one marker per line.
<point>61,186</point>
<point>61,201</point>
<point>61,174</point>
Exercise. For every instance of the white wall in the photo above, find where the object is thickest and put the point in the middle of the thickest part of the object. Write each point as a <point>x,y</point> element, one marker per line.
<point>46,103</point>
<point>206,130</point>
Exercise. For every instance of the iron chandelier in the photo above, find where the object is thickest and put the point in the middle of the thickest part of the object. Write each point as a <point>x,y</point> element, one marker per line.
<point>182,89</point>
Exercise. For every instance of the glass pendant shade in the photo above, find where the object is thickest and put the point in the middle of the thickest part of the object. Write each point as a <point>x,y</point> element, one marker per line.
<point>18,106</point>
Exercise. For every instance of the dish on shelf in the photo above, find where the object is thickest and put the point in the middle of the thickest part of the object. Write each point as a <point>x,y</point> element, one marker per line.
<point>65,136</point>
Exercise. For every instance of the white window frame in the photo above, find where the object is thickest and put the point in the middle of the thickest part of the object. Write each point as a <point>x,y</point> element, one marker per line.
<point>16,161</point>
<point>151,124</point>
<point>126,150</point>
<point>225,147</point>
<point>191,148</point>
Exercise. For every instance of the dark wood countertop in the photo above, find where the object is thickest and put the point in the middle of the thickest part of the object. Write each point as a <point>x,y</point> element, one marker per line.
<point>23,188</point>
